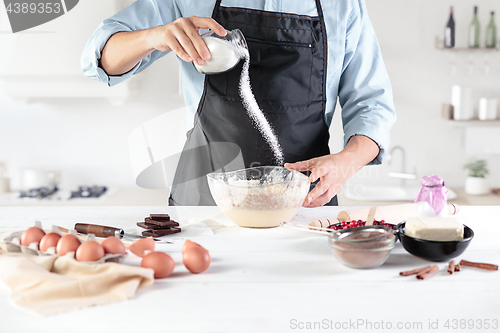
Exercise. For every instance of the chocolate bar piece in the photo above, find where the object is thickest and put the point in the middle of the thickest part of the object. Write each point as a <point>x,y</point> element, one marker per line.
<point>157,226</point>
<point>159,217</point>
<point>160,232</point>
<point>160,223</point>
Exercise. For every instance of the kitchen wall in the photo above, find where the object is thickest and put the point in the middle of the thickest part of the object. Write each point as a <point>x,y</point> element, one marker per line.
<point>422,79</point>
<point>88,139</point>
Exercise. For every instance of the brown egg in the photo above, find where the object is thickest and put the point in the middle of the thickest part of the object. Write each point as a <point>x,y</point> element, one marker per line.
<point>160,262</point>
<point>67,243</point>
<point>49,240</point>
<point>89,251</point>
<point>31,235</point>
<point>113,245</point>
<point>188,244</point>
<point>196,259</point>
<point>140,247</point>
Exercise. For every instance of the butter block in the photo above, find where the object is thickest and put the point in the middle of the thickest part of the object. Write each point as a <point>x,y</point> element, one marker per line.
<point>441,229</point>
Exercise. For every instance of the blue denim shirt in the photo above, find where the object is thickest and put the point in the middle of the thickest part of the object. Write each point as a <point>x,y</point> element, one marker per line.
<point>356,73</point>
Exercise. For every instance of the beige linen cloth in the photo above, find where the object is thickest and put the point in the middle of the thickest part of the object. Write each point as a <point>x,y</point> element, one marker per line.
<point>48,285</point>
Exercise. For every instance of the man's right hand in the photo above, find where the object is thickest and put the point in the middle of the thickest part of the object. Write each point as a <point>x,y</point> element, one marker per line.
<point>183,37</point>
<point>125,49</point>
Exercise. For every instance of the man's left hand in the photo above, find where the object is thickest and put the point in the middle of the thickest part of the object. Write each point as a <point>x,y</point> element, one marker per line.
<point>332,174</point>
<point>334,170</point>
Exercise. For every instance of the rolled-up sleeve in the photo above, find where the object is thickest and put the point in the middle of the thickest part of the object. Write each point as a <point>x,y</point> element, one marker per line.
<point>365,91</point>
<point>142,14</point>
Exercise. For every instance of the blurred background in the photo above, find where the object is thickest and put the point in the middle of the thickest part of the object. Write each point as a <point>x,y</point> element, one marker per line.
<point>61,129</point>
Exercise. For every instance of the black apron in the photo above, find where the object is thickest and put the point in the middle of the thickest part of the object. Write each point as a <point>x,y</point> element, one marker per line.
<point>288,78</point>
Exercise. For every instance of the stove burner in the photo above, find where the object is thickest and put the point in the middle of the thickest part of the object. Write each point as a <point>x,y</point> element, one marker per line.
<point>39,193</point>
<point>88,192</point>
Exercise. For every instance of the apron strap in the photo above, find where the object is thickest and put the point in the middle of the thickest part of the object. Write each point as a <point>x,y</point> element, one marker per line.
<point>216,7</point>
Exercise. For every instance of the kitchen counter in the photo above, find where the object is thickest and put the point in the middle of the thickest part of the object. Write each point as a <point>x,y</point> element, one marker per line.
<point>114,197</point>
<point>275,280</point>
<point>149,197</point>
<point>462,199</point>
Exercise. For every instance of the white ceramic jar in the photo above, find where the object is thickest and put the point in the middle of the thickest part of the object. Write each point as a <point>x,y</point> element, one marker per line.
<point>476,186</point>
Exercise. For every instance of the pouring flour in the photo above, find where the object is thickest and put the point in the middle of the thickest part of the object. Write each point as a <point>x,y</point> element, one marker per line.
<point>226,52</point>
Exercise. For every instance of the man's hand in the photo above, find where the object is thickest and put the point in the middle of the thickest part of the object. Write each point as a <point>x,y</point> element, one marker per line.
<point>334,170</point>
<point>125,49</point>
<point>330,171</point>
<point>183,37</point>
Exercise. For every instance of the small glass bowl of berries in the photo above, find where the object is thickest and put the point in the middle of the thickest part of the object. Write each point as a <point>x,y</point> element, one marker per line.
<point>358,223</point>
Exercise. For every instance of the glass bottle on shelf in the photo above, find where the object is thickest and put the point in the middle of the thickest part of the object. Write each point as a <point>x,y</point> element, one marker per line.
<point>474,30</point>
<point>449,31</point>
<point>491,32</point>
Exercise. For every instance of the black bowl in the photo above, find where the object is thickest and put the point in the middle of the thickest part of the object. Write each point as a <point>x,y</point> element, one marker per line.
<point>434,250</point>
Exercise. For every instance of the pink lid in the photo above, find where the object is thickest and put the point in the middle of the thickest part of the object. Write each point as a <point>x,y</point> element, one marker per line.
<point>434,192</point>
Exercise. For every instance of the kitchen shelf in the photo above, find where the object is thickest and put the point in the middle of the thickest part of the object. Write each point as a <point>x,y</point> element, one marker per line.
<point>439,46</point>
<point>468,49</point>
<point>474,122</point>
<point>25,89</point>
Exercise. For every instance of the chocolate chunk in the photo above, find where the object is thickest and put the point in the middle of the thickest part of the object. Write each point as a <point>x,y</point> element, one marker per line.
<point>169,223</point>
<point>159,217</point>
<point>160,232</point>
<point>157,226</point>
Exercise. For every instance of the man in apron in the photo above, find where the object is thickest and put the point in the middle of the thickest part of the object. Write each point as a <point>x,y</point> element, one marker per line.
<point>290,51</point>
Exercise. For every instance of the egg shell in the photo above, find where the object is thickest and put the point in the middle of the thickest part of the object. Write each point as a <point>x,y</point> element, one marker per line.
<point>140,247</point>
<point>113,245</point>
<point>196,259</point>
<point>49,240</point>
<point>90,251</point>
<point>188,244</point>
<point>67,243</point>
<point>32,235</point>
<point>160,262</point>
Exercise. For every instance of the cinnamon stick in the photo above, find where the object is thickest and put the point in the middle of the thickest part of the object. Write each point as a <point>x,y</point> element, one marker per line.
<point>415,271</point>
<point>451,267</point>
<point>457,267</point>
<point>481,265</point>
<point>426,274</point>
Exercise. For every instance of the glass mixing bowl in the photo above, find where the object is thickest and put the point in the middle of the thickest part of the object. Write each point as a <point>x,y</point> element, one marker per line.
<point>260,197</point>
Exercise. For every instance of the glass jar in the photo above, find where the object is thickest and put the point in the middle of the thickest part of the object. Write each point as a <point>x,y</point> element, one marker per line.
<point>432,198</point>
<point>226,52</point>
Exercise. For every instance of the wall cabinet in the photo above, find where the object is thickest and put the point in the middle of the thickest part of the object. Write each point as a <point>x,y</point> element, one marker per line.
<point>44,62</point>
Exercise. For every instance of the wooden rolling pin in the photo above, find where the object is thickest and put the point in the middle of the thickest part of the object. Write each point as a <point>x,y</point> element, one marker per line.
<point>391,214</point>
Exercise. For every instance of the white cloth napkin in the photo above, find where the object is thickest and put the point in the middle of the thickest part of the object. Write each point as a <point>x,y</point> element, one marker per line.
<point>47,285</point>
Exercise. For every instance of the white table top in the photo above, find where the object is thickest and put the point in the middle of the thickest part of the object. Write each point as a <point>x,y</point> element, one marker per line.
<point>275,280</point>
